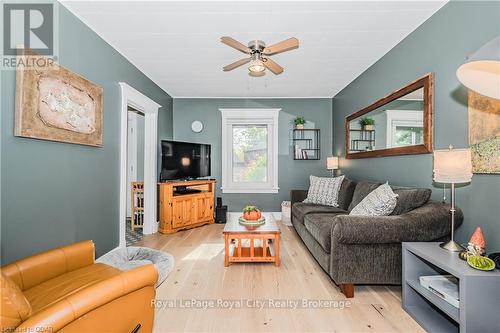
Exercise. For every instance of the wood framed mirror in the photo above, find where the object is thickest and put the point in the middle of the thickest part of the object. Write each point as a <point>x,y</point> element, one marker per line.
<point>398,124</point>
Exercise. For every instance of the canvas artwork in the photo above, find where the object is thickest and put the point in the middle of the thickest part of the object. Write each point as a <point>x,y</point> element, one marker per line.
<point>484,133</point>
<point>53,103</point>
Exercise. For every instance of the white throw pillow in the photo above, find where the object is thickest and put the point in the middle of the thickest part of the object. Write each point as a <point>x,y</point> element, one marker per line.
<point>379,202</point>
<point>324,190</point>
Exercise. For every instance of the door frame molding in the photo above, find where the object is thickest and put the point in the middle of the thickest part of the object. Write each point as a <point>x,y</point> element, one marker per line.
<point>137,100</point>
<point>131,154</point>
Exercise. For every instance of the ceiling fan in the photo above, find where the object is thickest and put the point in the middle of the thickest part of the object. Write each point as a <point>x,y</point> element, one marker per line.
<point>259,55</point>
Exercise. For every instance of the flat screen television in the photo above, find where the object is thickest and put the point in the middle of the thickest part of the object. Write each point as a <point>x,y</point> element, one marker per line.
<point>184,160</point>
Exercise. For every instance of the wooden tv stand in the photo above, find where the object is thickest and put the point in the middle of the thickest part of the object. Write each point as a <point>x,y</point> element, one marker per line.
<point>189,208</point>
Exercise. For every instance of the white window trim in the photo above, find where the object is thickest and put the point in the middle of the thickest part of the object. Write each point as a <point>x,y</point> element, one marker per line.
<point>402,118</point>
<point>267,117</point>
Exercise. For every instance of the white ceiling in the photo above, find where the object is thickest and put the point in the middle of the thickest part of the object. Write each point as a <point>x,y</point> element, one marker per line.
<point>177,44</point>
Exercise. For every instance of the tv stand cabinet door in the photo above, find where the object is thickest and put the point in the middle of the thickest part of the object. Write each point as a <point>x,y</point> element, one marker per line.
<point>183,211</point>
<point>204,208</point>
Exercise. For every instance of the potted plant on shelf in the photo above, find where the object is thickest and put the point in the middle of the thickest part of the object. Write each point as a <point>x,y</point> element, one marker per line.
<point>299,122</point>
<point>367,123</point>
<point>251,213</point>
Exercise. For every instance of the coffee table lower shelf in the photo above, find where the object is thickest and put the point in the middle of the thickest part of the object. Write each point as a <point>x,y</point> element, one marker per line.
<point>251,248</point>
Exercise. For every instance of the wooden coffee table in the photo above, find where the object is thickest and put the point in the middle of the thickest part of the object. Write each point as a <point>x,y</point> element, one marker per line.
<point>251,244</point>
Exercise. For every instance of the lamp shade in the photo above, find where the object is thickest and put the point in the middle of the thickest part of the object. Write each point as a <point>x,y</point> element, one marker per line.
<point>452,166</point>
<point>332,163</point>
<point>481,76</point>
<point>482,71</point>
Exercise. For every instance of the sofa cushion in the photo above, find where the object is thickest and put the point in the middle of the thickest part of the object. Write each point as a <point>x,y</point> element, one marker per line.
<point>321,256</point>
<point>301,209</point>
<point>346,191</point>
<point>320,227</point>
<point>324,190</point>
<point>410,198</point>
<point>62,286</point>
<point>361,191</point>
<point>380,202</point>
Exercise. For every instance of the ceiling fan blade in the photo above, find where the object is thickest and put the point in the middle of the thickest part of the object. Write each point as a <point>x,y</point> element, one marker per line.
<point>235,44</point>
<point>286,45</point>
<point>272,66</point>
<point>236,64</point>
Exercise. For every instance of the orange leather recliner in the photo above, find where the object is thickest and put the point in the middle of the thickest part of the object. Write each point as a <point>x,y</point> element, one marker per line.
<point>63,290</point>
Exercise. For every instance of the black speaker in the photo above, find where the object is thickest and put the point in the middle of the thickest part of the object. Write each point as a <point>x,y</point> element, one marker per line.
<point>496,258</point>
<point>219,201</point>
<point>220,214</point>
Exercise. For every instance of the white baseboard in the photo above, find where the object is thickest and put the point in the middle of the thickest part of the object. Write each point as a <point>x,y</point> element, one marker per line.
<point>156,226</point>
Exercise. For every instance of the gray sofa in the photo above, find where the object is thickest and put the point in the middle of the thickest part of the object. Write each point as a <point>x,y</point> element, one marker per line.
<point>365,249</point>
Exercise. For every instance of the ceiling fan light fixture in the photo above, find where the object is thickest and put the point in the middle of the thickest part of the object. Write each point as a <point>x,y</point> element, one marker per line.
<point>256,65</point>
<point>256,74</point>
<point>256,49</point>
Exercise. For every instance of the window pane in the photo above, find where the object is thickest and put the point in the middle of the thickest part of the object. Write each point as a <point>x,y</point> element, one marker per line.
<point>250,153</point>
<point>406,135</point>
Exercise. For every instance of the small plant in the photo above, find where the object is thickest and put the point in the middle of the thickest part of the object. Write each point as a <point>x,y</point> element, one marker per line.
<point>249,209</point>
<point>367,121</point>
<point>251,213</point>
<point>299,120</point>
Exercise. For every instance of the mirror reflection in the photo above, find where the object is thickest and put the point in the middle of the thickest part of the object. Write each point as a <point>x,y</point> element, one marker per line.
<point>399,123</point>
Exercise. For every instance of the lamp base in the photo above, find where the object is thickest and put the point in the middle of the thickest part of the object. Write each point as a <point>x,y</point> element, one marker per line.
<point>452,246</point>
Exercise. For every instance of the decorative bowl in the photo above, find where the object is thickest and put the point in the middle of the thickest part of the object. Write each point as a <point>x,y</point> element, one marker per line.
<point>260,221</point>
<point>481,263</point>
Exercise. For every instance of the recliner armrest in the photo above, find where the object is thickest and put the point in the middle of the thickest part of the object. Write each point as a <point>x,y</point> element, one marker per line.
<point>31,271</point>
<point>427,223</point>
<point>84,301</point>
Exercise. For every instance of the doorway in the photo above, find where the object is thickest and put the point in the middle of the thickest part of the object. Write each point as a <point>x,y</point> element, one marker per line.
<point>133,100</point>
<point>135,175</point>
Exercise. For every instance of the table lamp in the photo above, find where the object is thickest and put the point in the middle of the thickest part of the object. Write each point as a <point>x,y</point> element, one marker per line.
<point>332,163</point>
<point>452,166</point>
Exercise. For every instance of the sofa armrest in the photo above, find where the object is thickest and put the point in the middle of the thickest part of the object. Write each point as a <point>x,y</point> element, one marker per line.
<point>88,299</point>
<point>297,196</point>
<point>427,223</point>
<point>31,271</point>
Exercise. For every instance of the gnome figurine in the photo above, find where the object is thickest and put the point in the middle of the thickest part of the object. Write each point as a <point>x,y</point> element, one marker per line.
<point>477,244</point>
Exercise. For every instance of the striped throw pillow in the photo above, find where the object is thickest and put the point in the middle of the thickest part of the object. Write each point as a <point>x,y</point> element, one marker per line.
<point>324,190</point>
<point>379,202</point>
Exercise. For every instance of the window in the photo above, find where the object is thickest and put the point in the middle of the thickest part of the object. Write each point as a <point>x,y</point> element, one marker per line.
<point>405,128</point>
<point>249,153</point>
<point>407,135</point>
<point>250,150</point>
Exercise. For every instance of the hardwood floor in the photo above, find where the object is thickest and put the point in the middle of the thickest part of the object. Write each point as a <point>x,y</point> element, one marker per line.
<point>200,275</point>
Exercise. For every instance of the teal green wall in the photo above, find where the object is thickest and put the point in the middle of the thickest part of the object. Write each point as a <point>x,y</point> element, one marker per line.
<point>55,193</point>
<point>440,46</point>
<point>292,174</point>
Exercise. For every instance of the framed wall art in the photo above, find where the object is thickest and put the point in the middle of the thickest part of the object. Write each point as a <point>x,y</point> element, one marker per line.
<point>53,103</point>
<point>484,133</point>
